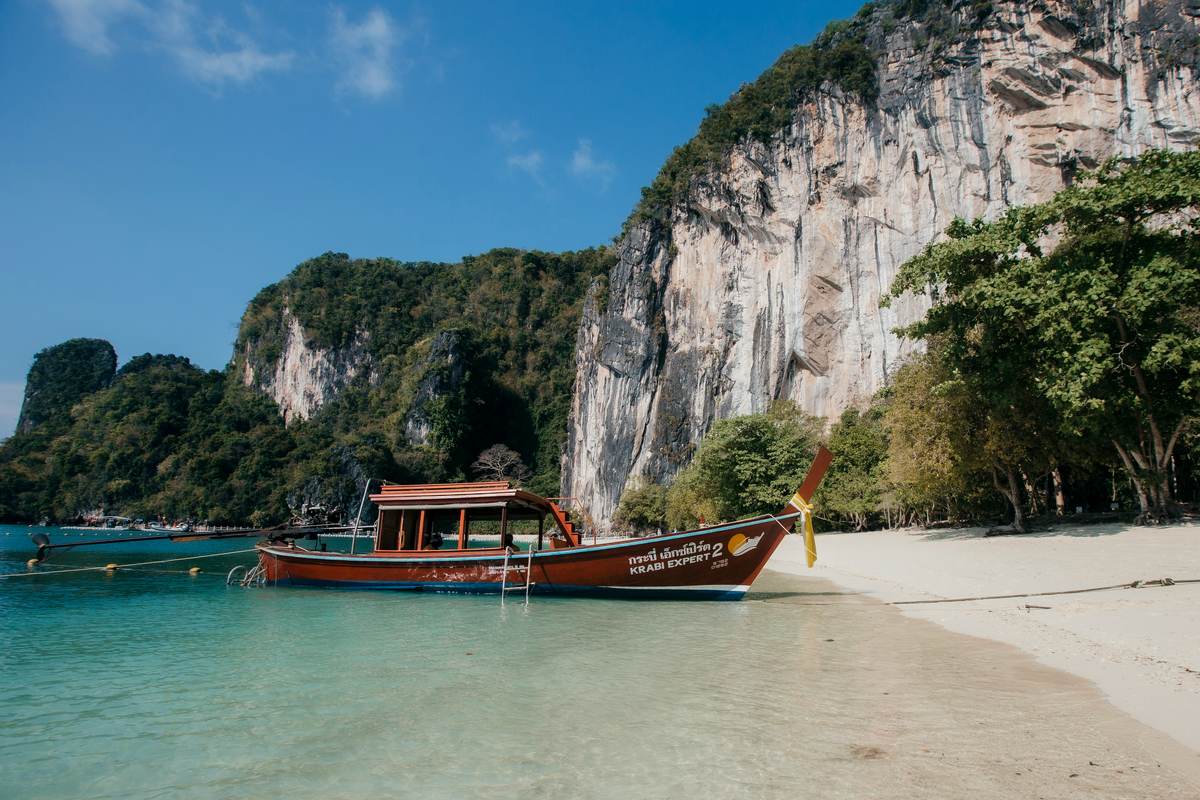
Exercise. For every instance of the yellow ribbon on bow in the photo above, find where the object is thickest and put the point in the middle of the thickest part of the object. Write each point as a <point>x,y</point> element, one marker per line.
<point>810,539</point>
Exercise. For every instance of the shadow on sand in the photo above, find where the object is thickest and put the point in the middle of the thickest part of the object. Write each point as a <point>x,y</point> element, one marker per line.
<point>1038,531</point>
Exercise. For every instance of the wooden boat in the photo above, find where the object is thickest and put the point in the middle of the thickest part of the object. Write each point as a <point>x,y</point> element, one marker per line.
<point>416,521</point>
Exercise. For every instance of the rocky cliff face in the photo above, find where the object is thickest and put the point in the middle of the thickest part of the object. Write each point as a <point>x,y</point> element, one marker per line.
<point>442,373</point>
<point>302,376</point>
<point>766,283</point>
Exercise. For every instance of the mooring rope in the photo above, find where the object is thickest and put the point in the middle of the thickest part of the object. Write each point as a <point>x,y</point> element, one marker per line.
<point>126,566</point>
<point>1143,584</point>
<point>1131,585</point>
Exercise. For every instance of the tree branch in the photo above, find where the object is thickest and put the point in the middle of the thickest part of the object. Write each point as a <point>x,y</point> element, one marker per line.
<point>1166,457</point>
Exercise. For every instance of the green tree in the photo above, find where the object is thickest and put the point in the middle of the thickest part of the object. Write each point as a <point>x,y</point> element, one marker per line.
<point>934,462</point>
<point>746,466</point>
<point>1089,301</point>
<point>854,487</point>
<point>643,507</point>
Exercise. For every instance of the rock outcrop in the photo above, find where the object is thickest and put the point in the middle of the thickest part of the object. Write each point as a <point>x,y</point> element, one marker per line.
<point>302,376</point>
<point>442,373</point>
<point>766,283</point>
<point>63,375</point>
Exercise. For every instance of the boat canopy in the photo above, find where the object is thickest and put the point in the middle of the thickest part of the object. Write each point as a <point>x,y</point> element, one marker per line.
<point>481,494</point>
<point>422,516</point>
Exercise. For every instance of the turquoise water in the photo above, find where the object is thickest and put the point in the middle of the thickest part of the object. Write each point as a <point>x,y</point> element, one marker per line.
<point>157,685</point>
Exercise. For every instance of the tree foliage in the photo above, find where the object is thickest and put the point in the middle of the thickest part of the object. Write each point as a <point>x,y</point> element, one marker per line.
<point>165,439</point>
<point>643,507</point>
<point>1086,306</point>
<point>63,375</point>
<point>745,466</point>
<point>854,486</point>
<point>935,464</point>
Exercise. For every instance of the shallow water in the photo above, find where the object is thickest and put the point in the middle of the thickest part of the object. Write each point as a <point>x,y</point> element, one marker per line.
<point>157,684</point>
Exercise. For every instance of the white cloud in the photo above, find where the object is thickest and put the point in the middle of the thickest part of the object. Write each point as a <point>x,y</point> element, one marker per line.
<point>12,393</point>
<point>509,132</point>
<point>86,23</point>
<point>529,163</point>
<point>584,164</point>
<point>207,49</point>
<point>364,50</point>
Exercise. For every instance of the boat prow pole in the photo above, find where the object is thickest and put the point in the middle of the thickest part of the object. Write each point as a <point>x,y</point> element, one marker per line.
<point>802,500</point>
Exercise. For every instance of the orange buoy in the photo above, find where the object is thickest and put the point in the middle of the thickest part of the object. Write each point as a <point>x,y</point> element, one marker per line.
<point>33,562</point>
<point>194,571</point>
<point>111,567</point>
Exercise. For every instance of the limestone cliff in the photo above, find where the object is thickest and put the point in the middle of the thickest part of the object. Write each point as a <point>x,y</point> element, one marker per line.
<point>765,282</point>
<point>301,375</point>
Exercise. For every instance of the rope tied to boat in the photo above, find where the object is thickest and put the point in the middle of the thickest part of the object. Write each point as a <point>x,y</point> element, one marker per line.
<point>107,568</point>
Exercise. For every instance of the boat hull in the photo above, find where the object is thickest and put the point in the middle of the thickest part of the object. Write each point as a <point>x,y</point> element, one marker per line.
<point>719,562</point>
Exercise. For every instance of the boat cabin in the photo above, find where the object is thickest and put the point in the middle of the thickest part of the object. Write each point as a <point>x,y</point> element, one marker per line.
<point>433,517</point>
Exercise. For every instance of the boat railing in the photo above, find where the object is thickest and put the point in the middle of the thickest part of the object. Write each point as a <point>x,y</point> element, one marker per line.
<point>575,505</point>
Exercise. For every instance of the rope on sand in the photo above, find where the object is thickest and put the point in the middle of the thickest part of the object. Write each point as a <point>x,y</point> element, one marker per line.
<point>1133,585</point>
<point>106,568</point>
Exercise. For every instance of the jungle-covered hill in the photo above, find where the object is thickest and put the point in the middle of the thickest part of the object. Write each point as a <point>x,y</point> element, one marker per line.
<point>462,356</point>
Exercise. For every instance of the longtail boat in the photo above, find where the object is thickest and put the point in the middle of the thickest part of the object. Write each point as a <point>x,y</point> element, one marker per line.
<point>415,522</point>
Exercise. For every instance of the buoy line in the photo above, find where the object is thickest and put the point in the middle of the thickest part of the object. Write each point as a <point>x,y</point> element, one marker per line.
<point>116,567</point>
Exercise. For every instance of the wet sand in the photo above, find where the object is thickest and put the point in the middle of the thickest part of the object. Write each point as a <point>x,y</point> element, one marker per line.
<point>957,716</point>
<point>1141,647</point>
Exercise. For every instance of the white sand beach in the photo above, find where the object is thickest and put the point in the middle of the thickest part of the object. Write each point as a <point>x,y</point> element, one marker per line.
<point>1141,647</point>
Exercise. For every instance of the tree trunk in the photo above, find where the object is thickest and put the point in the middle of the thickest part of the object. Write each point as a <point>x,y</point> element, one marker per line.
<point>1012,493</point>
<point>1032,492</point>
<point>1149,481</point>
<point>1015,498</point>
<point>1060,497</point>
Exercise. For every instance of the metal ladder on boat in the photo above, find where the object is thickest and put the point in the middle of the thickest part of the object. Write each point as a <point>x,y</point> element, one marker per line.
<point>505,588</point>
<point>247,576</point>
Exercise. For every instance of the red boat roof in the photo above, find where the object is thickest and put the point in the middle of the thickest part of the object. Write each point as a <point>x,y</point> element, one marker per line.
<point>456,495</point>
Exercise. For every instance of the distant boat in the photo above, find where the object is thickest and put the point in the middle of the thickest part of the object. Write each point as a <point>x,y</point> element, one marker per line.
<point>180,528</point>
<point>415,521</point>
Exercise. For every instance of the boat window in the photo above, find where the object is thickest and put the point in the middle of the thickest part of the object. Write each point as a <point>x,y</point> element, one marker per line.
<point>483,527</point>
<point>441,530</point>
<point>389,530</point>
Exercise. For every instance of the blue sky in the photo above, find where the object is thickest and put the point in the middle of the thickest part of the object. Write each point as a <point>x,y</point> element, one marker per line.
<point>163,160</point>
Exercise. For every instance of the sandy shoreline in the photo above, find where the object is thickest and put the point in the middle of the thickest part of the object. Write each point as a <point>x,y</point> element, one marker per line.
<point>1141,647</point>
